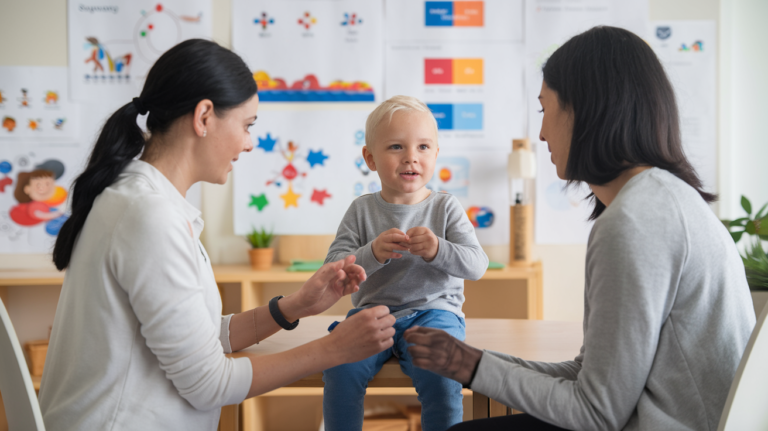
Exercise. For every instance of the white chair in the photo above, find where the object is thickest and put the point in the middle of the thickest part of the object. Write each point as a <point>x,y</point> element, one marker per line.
<point>745,408</point>
<point>21,407</point>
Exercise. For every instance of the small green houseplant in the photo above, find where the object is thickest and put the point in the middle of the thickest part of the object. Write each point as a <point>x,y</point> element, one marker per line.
<point>261,254</point>
<point>755,258</point>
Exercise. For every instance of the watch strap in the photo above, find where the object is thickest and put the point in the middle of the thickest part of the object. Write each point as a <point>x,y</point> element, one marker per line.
<point>274,310</point>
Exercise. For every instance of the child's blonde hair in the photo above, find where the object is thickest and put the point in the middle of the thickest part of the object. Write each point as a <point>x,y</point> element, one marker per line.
<point>388,109</point>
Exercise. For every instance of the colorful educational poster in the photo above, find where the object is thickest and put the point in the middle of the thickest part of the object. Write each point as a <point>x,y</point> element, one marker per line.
<point>454,21</point>
<point>475,90</point>
<point>687,51</point>
<point>304,171</point>
<point>479,180</point>
<point>561,214</point>
<point>311,50</point>
<point>114,43</point>
<point>35,181</point>
<point>34,104</point>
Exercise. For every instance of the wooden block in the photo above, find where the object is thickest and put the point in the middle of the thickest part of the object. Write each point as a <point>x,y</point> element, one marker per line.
<point>385,425</point>
<point>303,247</point>
<point>36,351</point>
<point>480,408</point>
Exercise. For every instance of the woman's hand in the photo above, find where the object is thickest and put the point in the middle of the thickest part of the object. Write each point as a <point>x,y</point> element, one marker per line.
<point>437,351</point>
<point>362,335</point>
<point>323,289</point>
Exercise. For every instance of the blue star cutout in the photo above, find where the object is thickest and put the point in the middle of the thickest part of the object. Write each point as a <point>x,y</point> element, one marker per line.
<point>316,158</point>
<point>267,144</point>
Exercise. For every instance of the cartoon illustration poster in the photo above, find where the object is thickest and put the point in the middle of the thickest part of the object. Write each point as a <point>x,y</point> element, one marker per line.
<point>34,104</point>
<point>307,167</point>
<point>561,215</point>
<point>114,43</point>
<point>475,90</point>
<point>455,21</point>
<point>35,182</point>
<point>311,50</point>
<point>304,171</point>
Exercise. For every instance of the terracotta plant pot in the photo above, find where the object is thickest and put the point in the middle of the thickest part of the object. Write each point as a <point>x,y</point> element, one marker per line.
<point>261,258</point>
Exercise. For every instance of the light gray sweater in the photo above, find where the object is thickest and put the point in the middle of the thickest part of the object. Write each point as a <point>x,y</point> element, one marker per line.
<point>410,283</point>
<point>667,315</point>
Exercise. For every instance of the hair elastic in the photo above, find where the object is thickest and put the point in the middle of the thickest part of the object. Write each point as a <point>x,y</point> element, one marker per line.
<point>140,106</point>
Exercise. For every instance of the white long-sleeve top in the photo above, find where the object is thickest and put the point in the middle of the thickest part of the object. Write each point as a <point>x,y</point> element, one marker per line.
<point>138,340</point>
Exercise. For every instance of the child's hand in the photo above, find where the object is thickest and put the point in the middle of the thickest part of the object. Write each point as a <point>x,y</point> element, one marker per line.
<point>423,243</point>
<point>387,245</point>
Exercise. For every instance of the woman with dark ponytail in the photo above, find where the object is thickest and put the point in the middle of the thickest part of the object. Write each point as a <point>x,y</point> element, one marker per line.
<point>138,341</point>
<point>667,307</point>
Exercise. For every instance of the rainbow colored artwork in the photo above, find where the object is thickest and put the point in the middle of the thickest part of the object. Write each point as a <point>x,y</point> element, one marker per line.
<point>309,89</point>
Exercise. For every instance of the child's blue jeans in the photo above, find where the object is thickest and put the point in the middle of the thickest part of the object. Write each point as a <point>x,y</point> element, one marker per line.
<point>440,397</point>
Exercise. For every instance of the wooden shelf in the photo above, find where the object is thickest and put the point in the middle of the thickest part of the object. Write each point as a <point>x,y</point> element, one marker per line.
<point>239,274</point>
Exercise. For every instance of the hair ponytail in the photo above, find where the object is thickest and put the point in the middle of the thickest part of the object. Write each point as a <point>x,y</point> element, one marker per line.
<point>119,142</point>
<point>189,72</point>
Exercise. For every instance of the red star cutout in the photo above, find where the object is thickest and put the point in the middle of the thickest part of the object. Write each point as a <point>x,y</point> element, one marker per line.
<point>319,196</point>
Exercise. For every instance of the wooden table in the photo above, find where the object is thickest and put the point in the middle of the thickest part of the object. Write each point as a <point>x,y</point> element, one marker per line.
<point>530,339</point>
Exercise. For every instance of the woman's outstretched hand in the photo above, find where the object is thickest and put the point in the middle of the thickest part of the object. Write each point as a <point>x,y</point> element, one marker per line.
<point>362,335</point>
<point>437,351</point>
<point>325,287</point>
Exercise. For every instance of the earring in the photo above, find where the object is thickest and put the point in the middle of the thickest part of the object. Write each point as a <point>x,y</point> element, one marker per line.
<point>205,133</point>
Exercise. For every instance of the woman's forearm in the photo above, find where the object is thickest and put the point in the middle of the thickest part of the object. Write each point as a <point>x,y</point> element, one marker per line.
<point>274,371</point>
<point>356,338</point>
<point>250,327</point>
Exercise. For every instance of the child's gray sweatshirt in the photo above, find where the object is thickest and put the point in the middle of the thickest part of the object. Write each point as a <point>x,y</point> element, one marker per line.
<point>410,283</point>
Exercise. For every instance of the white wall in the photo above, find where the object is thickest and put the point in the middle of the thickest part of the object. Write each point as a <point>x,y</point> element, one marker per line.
<point>37,29</point>
<point>744,112</point>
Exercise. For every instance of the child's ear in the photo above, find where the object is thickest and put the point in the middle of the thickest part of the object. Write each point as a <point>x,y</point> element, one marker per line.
<point>368,156</point>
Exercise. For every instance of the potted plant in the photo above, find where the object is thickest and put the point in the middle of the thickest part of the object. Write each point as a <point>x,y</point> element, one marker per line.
<point>755,258</point>
<point>261,253</point>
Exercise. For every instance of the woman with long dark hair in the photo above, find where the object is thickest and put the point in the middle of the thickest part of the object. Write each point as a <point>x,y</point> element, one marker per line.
<point>667,308</point>
<point>138,341</point>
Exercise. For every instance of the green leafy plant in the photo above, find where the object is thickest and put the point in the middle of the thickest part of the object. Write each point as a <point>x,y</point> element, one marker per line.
<point>752,226</point>
<point>259,238</point>
<point>756,266</point>
<point>755,258</point>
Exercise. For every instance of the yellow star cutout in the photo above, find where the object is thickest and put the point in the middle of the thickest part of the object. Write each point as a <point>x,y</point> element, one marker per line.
<point>291,198</point>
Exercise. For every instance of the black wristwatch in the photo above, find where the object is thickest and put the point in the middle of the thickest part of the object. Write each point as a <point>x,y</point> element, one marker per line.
<point>274,310</point>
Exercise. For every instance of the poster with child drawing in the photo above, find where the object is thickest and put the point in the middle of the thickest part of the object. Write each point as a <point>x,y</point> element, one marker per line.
<point>311,50</point>
<point>114,43</point>
<point>34,104</point>
<point>35,182</point>
<point>305,169</point>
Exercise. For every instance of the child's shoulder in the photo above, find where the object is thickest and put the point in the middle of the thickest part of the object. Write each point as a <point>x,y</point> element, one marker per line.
<point>446,199</point>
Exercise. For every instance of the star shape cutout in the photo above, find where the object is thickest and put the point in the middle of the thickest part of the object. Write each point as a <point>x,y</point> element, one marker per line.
<point>291,198</point>
<point>319,196</point>
<point>267,144</point>
<point>316,158</point>
<point>259,201</point>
